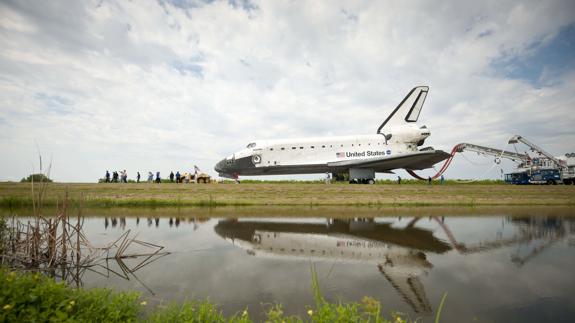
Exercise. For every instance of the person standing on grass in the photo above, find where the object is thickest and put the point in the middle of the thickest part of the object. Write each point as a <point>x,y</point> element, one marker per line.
<point>429,180</point>
<point>125,175</point>
<point>196,172</point>
<point>115,177</point>
<point>158,179</point>
<point>178,176</point>
<point>171,177</point>
<point>150,177</point>
<point>138,177</point>
<point>107,177</point>
<point>399,180</point>
<point>442,179</point>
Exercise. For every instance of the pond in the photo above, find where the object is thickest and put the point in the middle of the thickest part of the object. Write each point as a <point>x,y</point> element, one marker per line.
<point>496,266</point>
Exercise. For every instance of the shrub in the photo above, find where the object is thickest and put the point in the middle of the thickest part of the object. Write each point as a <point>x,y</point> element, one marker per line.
<point>36,178</point>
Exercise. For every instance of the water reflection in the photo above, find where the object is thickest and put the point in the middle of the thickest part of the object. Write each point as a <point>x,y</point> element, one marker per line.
<point>419,257</point>
<point>172,222</point>
<point>399,253</point>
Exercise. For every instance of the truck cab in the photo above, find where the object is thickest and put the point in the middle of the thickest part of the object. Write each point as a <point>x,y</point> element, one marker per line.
<point>538,176</point>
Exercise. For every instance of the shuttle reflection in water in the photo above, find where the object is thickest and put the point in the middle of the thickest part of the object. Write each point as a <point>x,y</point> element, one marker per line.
<point>400,254</point>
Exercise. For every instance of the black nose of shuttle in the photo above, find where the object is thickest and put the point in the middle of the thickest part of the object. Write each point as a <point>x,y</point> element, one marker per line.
<point>220,166</point>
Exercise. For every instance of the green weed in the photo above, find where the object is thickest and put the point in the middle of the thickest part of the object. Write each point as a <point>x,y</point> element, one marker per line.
<point>33,297</point>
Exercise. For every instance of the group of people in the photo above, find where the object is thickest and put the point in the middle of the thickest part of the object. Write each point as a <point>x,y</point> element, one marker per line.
<point>122,177</point>
<point>151,178</point>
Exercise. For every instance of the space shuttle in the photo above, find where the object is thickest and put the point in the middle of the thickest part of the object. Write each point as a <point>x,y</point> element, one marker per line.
<point>398,253</point>
<point>396,144</point>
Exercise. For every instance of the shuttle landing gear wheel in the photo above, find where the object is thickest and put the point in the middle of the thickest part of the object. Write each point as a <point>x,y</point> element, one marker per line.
<point>362,181</point>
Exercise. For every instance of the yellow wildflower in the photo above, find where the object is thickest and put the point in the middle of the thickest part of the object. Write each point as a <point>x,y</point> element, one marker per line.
<point>7,307</point>
<point>310,312</point>
<point>144,303</point>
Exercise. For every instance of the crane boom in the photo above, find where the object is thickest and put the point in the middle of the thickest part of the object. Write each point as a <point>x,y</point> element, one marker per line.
<point>545,169</point>
<point>491,151</point>
<point>517,138</point>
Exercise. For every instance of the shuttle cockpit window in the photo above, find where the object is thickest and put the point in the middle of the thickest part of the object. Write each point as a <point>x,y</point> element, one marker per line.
<point>251,145</point>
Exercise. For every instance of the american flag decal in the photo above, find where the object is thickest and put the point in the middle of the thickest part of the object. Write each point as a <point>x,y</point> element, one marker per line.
<point>339,155</point>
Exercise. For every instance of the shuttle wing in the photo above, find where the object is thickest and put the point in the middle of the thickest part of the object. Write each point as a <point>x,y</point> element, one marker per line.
<point>412,161</point>
<point>410,237</point>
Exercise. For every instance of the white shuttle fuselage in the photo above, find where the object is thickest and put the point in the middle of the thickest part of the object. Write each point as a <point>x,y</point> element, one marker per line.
<point>395,145</point>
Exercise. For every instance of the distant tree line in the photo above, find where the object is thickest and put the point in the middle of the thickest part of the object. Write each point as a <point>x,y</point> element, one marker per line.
<point>36,178</point>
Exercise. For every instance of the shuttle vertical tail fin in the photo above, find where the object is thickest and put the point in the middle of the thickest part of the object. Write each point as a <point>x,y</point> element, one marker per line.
<point>408,110</point>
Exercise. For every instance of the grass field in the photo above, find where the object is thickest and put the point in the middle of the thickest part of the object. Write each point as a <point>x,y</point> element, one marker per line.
<point>291,194</point>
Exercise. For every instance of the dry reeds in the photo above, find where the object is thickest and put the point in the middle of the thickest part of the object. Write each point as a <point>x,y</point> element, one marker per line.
<point>58,246</point>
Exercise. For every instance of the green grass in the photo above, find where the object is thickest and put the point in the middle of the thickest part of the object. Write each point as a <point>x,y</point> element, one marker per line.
<point>33,297</point>
<point>18,195</point>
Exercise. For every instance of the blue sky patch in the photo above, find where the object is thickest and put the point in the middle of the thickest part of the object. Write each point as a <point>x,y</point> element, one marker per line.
<point>188,68</point>
<point>55,103</point>
<point>545,61</point>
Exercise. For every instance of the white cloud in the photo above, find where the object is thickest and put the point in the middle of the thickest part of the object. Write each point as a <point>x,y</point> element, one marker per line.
<point>153,86</point>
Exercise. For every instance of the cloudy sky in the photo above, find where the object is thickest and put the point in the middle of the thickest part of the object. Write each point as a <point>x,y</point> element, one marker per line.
<point>164,85</point>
